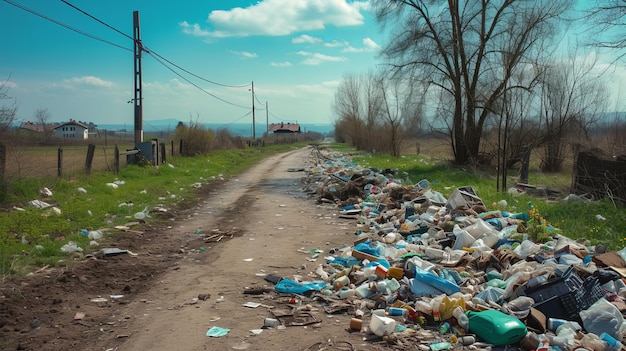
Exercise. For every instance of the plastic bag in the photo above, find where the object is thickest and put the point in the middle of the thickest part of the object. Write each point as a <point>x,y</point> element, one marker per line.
<point>71,247</point>
<point>288,286</point>
<point>526,248</point>
<point>601,317</point>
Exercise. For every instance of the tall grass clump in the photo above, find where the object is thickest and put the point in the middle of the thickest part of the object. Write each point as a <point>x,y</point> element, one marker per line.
<point>196,138</point>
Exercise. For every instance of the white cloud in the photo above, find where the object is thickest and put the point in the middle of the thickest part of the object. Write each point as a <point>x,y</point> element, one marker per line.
<point>306,39</point>
<point>89,81</point>
<point>317,58</point>
<point>7,84</point>
<point>334,44</point>
<point>281,64</point>
<point>323,88</point>
<point>194,29</point>
<point>280,17</point>
<point>369,45</point>
<point>245,54</point>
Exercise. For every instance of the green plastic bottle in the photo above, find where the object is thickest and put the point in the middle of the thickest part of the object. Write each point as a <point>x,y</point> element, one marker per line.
<point>496,328</point>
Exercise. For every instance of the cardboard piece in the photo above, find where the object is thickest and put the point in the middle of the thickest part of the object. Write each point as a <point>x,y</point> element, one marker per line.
<point>537,320</point>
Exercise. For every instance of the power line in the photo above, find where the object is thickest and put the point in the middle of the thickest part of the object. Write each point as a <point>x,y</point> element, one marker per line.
<point>65,25</point>
<point>106,24</point>
<point>280,119</point>
<point>156,57</point>
<point>197,76</point>
<point>238,119</point>
<point>153,52</point>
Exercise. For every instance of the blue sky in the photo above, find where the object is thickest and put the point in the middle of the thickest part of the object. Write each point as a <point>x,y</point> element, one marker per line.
<point>295,51</point>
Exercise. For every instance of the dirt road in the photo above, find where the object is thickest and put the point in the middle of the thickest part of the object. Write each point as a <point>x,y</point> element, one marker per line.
<point>179,285</point>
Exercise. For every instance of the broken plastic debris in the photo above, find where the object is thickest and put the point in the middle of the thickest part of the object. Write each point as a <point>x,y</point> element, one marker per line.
<point>71,247</point>
<point>39,204</point>
<point>81,190</point>
<point>252,304</point>
<point>99,300</point>
<point>112,185</point>
<point>143,214</point>
<point>217,332</point>
<point>112,251</point>
<point>45,192</point>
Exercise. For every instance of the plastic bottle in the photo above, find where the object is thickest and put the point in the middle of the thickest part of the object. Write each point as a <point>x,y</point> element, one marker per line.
<point>322,273</point>
<point>444,327</point>
<point>397,311</point>
<point>461,318</point>
<point>436,316</point>
<point>613,343</point>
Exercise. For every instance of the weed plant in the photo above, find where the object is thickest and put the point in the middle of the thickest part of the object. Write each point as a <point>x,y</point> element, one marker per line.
<point>32,237</point>
<point>599,222</point>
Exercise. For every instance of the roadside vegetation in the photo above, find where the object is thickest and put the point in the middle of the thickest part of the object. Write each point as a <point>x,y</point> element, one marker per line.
<point>31,237</point>
<point>599,222</point>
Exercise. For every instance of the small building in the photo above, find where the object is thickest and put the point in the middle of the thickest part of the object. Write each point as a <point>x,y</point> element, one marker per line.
<point>280,128</point>
<point>72,130</point>
<point>38,128</point>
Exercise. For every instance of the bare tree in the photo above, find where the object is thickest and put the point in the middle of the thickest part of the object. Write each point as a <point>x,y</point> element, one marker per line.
<point>357,107</point>
<point>457,47</point>
<point>41,116</point>
<point>608,22</point>
<point>402,104</point>
<point>373,111</point>
<point>572,98</point>
<point>8,112</point>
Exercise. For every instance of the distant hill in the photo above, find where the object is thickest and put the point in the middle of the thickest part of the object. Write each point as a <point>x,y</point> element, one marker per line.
<point>241,129</point>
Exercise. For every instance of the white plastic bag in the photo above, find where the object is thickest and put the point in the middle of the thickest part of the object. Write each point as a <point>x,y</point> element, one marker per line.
<point>71,247</point>
<point>603,317</point>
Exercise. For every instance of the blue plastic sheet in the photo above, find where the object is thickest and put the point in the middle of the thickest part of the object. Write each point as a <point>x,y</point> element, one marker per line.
<point>437,282</point>
<point>216,332</point>
<point>288,286</point>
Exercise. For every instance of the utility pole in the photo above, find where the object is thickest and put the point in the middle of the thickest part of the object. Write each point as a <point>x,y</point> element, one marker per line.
<point>137,99</point>
<point>267,119</point>
<point>253,122</point>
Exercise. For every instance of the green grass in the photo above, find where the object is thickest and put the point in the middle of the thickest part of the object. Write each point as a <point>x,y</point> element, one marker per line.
<point>575,220</point>
<point>31,238</point>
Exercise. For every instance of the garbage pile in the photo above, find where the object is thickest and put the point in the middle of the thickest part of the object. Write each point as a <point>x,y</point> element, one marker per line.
<point>440,272</point>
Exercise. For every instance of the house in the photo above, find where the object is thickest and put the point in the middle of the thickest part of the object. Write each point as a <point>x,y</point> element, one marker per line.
<point>72,130</point>
<point>38,128</point>
<point>34,127</point>
<point>277,128</point>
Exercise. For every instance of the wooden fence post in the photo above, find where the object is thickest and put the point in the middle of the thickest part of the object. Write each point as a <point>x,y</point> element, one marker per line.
<point>525,165</point>
<point>180,149</point>
<point>172,148</point>
<point>116,160</point>
<point>60,162</point>
<point>3,161</point>
<point>89,160</point>
<point>163,153</point>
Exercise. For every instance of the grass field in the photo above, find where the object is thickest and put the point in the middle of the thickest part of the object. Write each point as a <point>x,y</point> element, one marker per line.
<point>32,237</point>
<point>577,220</point>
